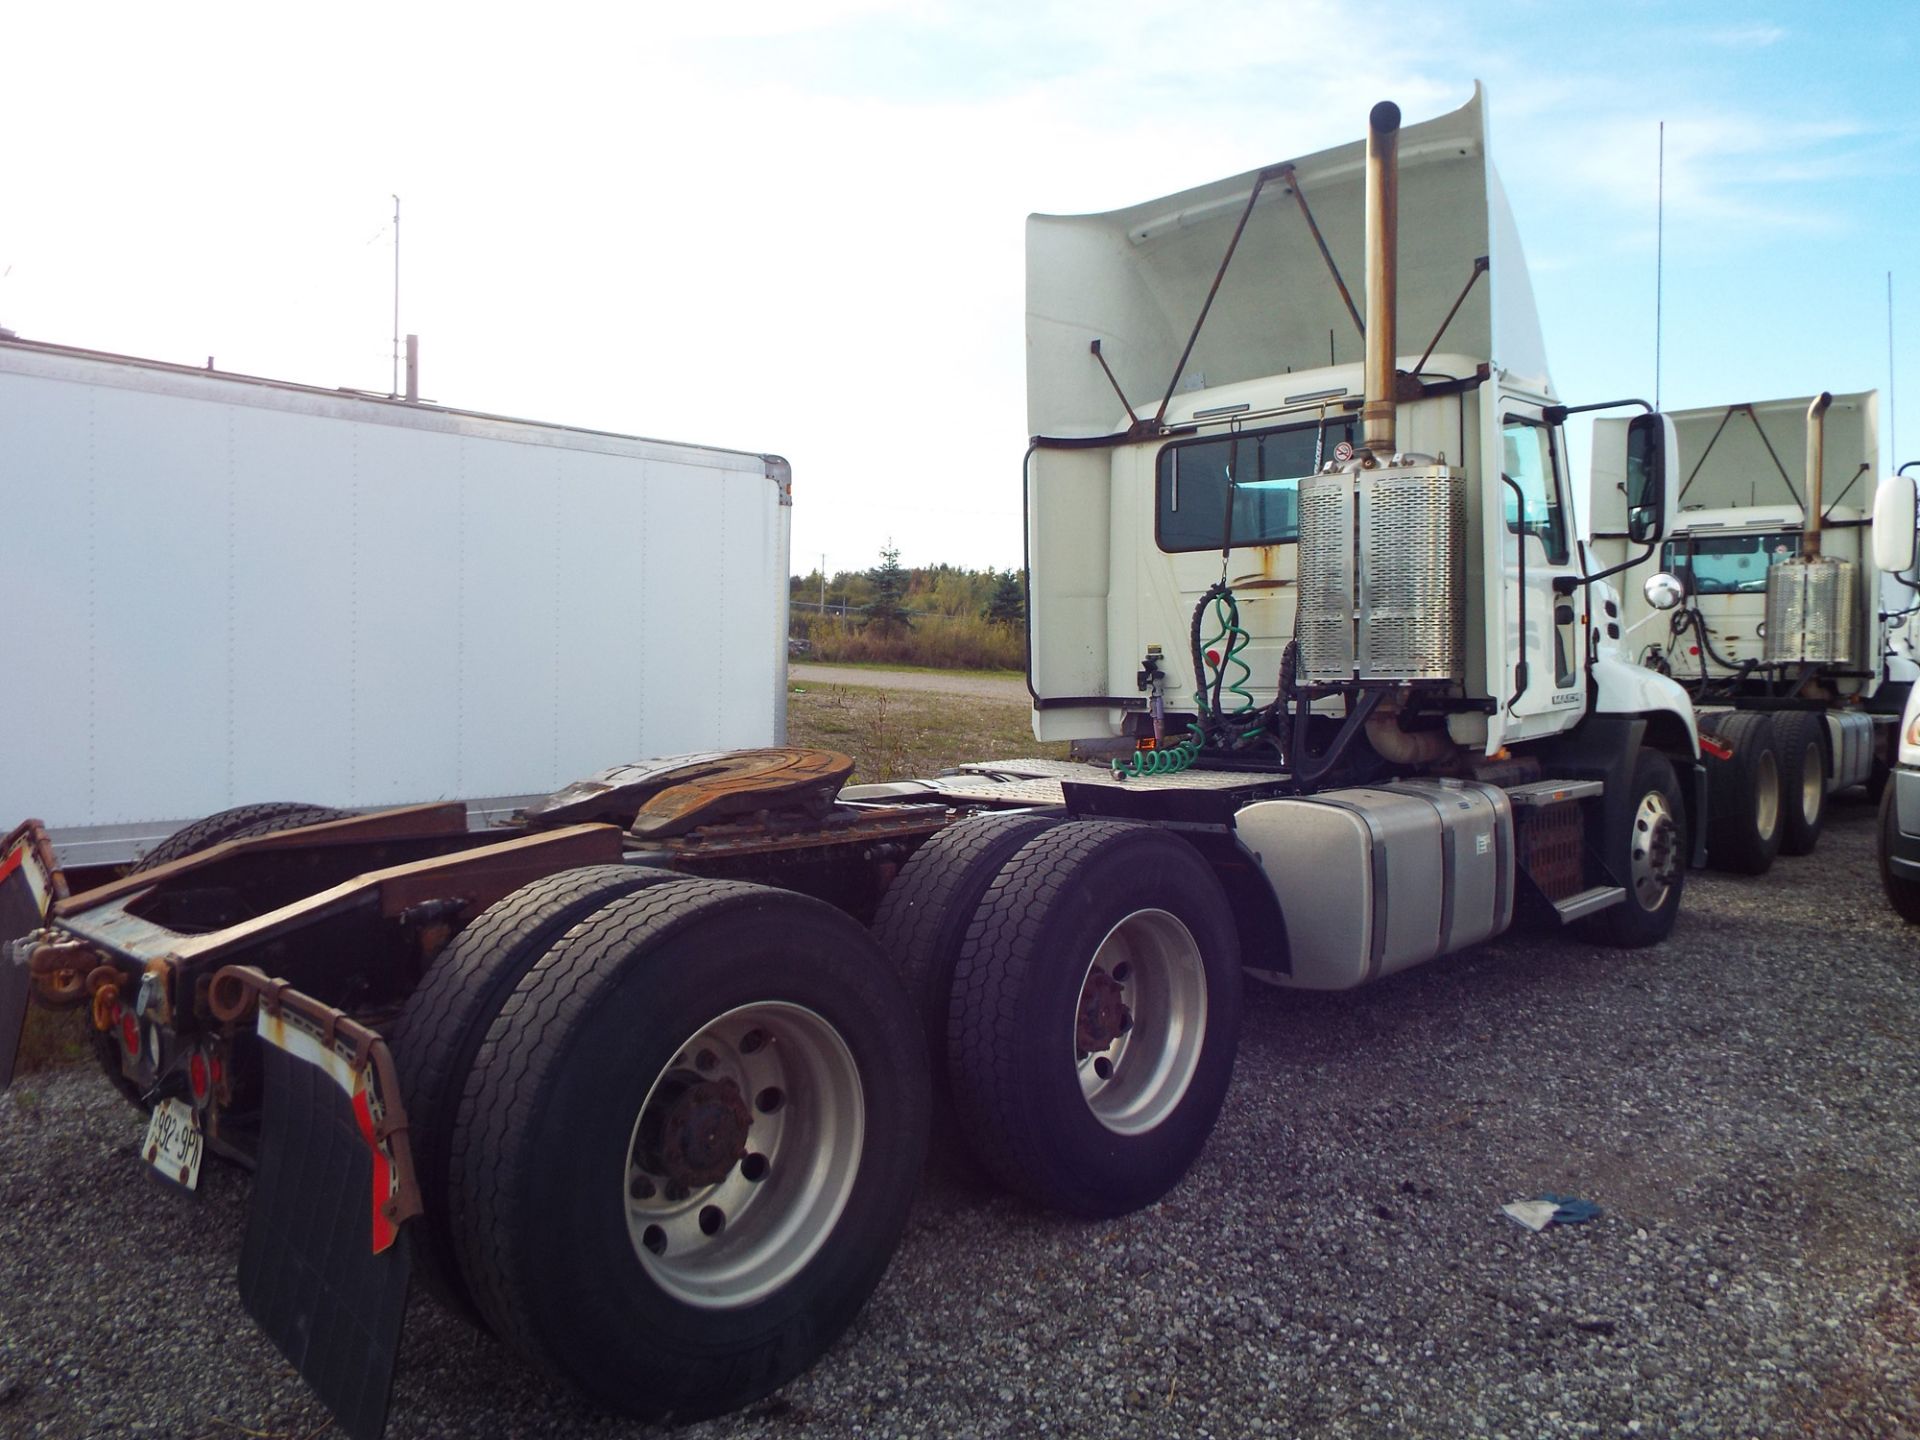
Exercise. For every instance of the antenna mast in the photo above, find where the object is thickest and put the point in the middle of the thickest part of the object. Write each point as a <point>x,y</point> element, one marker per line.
<point>1659,257</point>
<point>1893,409</point>
<point>390,394</point>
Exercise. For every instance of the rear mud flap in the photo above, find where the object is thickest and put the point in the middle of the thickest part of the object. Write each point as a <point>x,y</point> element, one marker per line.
<point>326,1262</point>
<point>29,884</point>
<point>15,986</point>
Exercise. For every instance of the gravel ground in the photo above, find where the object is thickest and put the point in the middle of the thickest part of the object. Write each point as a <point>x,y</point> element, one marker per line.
<point>1744,1101</point>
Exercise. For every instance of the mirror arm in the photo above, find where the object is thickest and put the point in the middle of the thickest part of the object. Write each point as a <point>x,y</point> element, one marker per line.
<point>1640,559</point>
<point>1557,414</point>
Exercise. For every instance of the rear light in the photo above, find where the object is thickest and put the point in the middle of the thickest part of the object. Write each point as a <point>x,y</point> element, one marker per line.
<point>199,1077</point>
<point>1716,747</point>
<point>129,1032</point>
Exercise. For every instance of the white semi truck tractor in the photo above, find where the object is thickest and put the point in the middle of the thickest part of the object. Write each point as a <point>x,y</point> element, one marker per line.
<point>1896,508</point>
<point>643,1078</point>
<point>1797,648</point>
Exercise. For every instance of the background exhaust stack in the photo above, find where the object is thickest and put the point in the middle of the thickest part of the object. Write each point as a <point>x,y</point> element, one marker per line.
<point>1383,230</point>
<point>1816,468</point>
<point>1812,600</point>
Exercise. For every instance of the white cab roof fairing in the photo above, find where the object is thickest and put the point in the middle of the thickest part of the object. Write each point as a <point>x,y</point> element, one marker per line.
<point>1734,455</point>
<point>1136,279</point>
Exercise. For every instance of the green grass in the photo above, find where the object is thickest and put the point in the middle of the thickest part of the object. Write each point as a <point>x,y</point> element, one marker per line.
<point>900,734</point>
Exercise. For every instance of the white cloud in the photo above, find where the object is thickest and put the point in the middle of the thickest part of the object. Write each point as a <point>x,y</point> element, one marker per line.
<point>1745,37</point>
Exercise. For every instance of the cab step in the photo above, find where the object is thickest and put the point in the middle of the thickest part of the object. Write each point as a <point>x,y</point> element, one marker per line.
<point>1537,794</point>
<point>1588,902</point>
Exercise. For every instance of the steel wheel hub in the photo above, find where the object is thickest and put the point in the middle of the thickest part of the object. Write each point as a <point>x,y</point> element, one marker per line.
<point>1104,1016</point>
<point>1655,858</point>
<point>1141,1021</point>
<point>697,1135</point>
<point>744,1154</point>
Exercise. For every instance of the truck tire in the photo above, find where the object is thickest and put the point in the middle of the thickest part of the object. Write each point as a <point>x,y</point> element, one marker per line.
<point>1801,738</point>
<point>1744,800</point>
<point>687,1147</point>
<point>240,823</point>
<point>922,924</point>
<point>1649,854</point>
<point>447,1016</point>
<point>243,822</point>
<point>1903,894</point>
<point>1095,1010</point>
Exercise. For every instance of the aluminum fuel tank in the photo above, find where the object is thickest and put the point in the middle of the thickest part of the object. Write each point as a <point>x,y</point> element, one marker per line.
<point>1375,879</point>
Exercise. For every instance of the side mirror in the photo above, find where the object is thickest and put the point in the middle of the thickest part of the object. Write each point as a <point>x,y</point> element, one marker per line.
<point>1894,517</point>
<point>1630,496</point>
<point>1652,456</point>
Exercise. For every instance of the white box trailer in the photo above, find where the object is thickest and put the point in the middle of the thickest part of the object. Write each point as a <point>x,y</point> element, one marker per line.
<point>249,588</point>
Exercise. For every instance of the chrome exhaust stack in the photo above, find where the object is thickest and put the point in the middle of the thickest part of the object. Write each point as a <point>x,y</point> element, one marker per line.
<point>1810,598</point>
<point>1816,468</point>
<point>1383,231</point>
<point>1382,536</point>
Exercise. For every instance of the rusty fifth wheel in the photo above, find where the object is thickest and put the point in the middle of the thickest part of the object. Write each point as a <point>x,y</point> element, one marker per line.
<point>1095,1009</point>
<point>686,1147</point>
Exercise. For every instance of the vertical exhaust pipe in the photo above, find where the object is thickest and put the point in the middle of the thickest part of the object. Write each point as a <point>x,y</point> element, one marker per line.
<point>1383,232</point>
<point>1816,469</point>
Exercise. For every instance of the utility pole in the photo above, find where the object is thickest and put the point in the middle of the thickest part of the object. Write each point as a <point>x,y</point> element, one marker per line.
<point>823,578</point>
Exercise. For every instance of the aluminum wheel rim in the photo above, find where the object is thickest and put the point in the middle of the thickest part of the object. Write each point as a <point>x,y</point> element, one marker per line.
<point>1813,789</point>
<point>736,1240</point>
<point>1656,850</point>
<point>1766,796</point>
<point>1137,1080</point>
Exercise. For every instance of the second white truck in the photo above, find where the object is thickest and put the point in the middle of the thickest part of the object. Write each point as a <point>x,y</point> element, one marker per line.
<point>1796,648</point>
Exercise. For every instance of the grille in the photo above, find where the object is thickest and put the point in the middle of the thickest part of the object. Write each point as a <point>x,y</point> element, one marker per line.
<point>1810,611</point>
<point>1382,565</point>
<point>1326,578</point>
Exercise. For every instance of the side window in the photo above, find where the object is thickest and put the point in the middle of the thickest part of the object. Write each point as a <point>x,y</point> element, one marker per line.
<point>1526,457</point>
<point>1261,468</point>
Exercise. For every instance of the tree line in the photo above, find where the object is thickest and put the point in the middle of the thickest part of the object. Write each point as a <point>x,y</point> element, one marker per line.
<point>945,615</point>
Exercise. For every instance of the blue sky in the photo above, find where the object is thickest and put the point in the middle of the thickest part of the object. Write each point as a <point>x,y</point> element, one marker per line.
<point>798,227</point>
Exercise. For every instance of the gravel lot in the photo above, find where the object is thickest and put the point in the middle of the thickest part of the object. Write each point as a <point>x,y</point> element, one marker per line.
<point>1744,1102</point>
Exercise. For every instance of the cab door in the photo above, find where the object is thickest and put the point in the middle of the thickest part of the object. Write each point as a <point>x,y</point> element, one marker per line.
<point>1543,594</point>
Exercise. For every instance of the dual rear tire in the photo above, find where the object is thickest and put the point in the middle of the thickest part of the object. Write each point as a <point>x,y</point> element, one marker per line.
<point>1801,737</point>
<point>673,1126</point>
<point>1746,799</point>
<point>1081,992</point>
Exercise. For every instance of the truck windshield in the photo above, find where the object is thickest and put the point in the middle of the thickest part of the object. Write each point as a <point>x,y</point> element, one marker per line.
<point>1265,466</point>
<point>1728,564</point>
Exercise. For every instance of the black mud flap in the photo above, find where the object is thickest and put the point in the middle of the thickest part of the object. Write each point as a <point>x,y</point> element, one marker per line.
<point>15,986</point>
<point>28,885</point>
<point>309,1270</point>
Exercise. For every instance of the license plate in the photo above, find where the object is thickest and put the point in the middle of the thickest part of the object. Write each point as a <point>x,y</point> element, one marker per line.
<point>174,1141</point>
